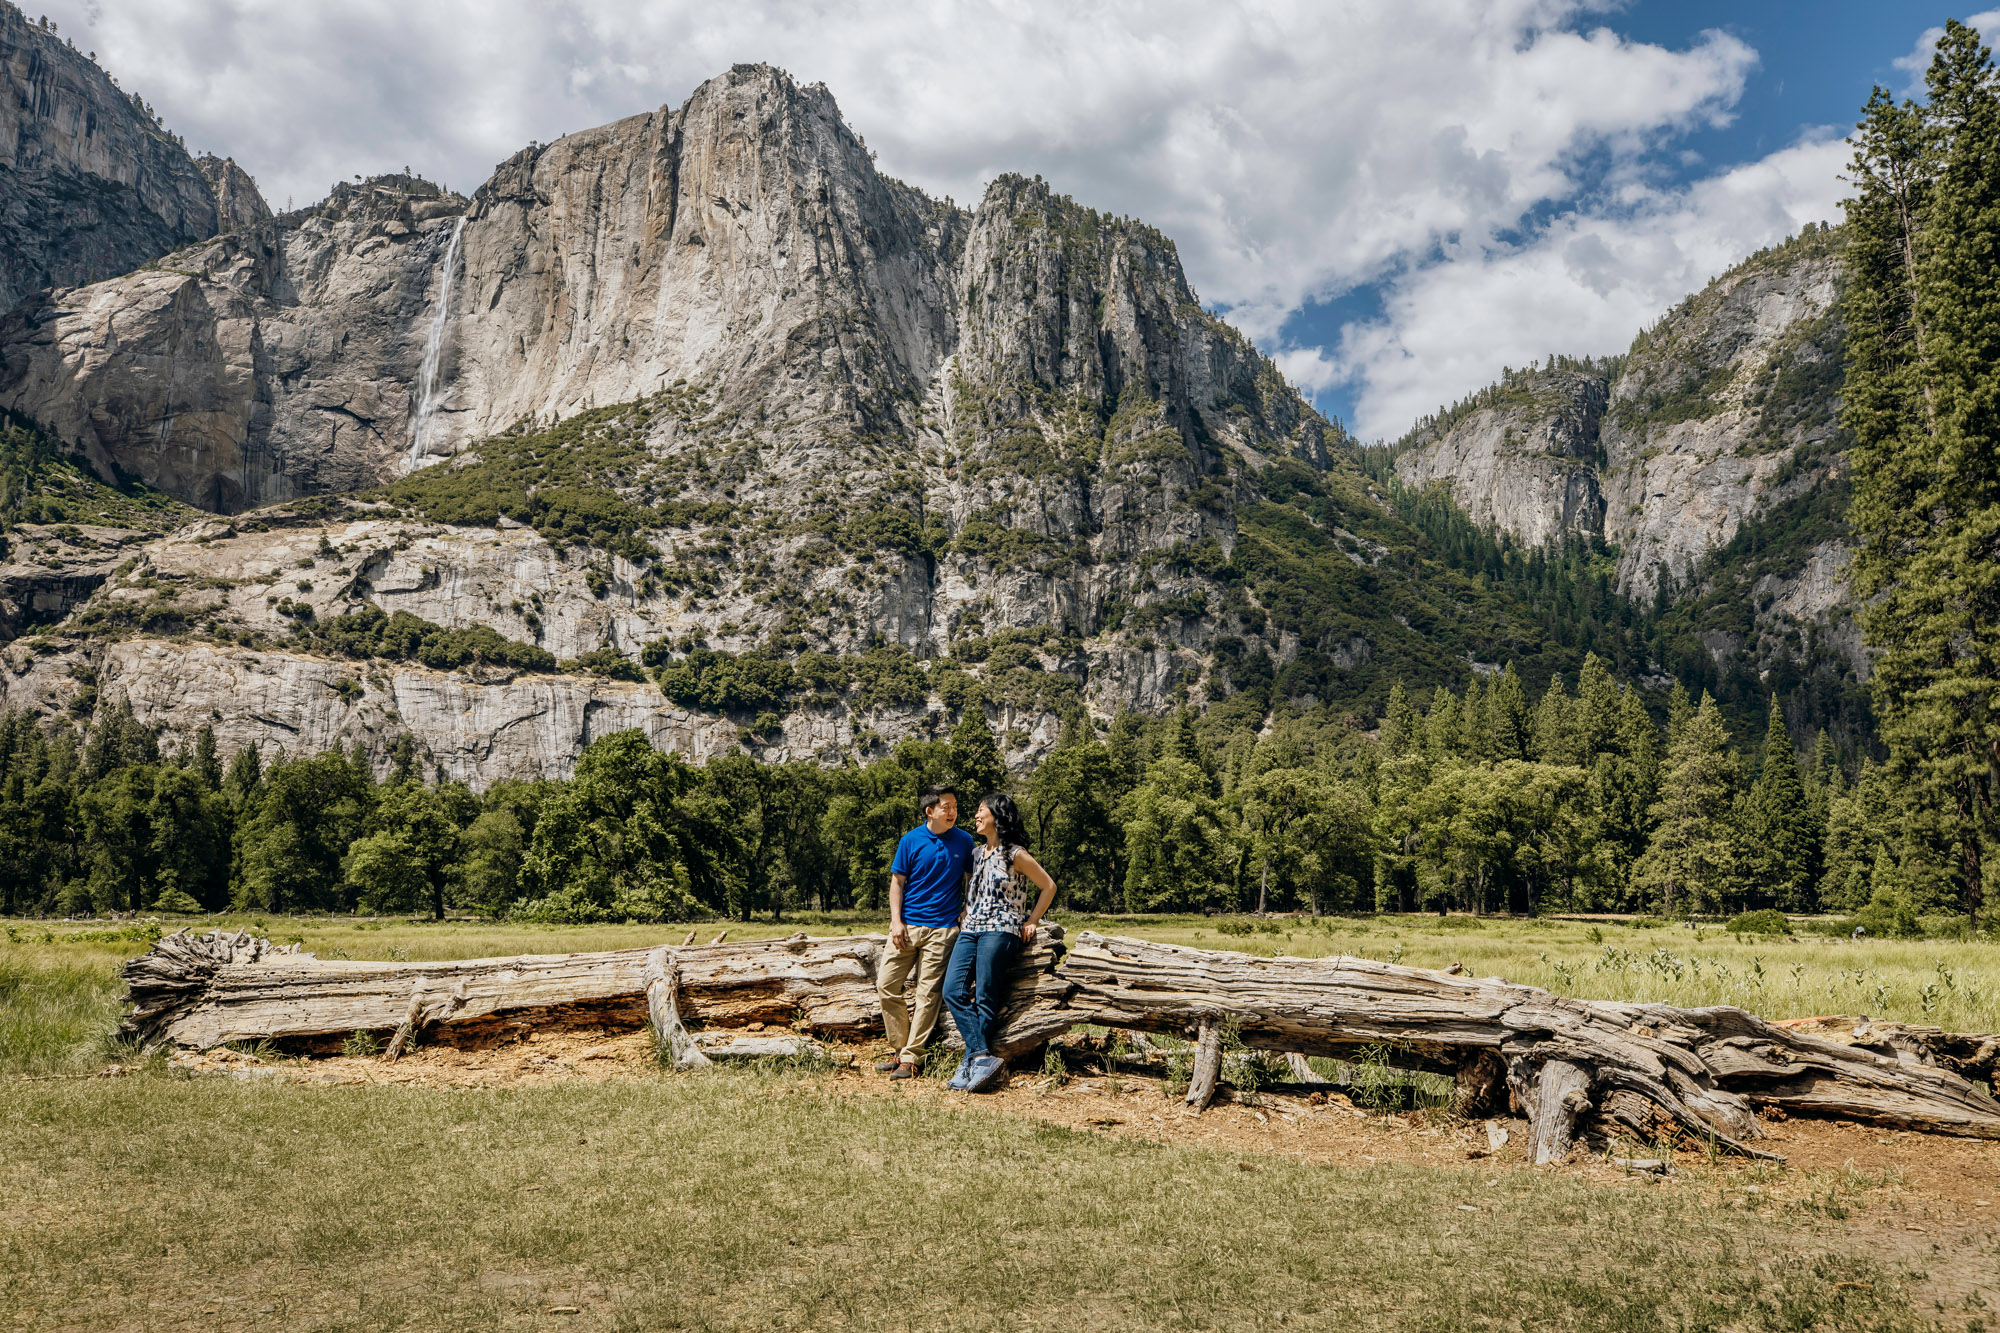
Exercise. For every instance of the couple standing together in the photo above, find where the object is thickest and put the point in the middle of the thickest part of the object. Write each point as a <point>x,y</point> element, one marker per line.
<point>958,916</point>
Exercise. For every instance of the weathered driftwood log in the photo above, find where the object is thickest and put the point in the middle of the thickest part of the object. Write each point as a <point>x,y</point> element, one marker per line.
<point>1648,1068</point>
<point>663,981</point>
<point>199,992</point>
<point>1640,1070</point>
<point>204,991</point>
<point>1975,1055</point>
<point>1560,1096</point>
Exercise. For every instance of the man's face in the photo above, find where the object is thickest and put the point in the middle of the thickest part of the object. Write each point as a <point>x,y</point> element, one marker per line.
<point>945,813</point>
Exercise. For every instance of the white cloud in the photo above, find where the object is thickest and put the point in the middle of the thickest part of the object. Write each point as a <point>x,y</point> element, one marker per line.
<point>1295,149</point>
<point>1918,60</point>
<point>1583,286</point>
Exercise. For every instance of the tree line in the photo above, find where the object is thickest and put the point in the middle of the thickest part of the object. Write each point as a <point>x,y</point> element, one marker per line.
<point>1481,800</point>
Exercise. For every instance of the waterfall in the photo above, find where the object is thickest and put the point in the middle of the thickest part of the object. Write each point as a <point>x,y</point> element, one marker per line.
<point>420,421</point>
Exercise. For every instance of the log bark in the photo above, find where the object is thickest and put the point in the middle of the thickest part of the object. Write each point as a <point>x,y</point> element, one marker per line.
<point>1207,1068</point>
<point>1651,1070</point>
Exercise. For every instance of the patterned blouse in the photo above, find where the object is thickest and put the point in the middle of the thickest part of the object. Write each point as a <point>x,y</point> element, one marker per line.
<point>998,898</point>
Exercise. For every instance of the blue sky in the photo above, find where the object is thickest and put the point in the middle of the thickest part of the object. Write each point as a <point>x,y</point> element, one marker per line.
<point>1394,199</point>
<point>1816,62</point>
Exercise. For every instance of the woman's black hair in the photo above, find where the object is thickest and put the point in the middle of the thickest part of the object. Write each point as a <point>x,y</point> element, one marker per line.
<point>1007,817</point>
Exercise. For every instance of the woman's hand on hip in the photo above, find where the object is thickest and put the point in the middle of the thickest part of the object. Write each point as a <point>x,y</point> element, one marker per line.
<point>1027,932</point>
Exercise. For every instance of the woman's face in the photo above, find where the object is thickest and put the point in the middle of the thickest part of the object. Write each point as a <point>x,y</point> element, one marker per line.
<point>982,820</point>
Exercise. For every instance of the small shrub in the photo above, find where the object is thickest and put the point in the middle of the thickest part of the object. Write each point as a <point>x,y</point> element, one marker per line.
<point>1767,921</point>
<point>177,901</point>
<point>361,1044</point>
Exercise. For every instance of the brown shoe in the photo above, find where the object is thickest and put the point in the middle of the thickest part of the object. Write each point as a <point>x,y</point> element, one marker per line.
<point>888,1066</point>
<point>904,1069</point>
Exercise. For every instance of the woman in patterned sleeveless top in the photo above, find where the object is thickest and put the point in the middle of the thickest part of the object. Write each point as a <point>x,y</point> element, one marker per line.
<point>997,925</point>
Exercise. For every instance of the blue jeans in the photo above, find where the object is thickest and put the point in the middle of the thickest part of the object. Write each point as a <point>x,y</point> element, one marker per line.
<point>975,984</point>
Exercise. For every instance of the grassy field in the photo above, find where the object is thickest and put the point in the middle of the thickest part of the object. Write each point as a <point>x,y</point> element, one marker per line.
<point>760,1200</point>
<point>769,1199</point>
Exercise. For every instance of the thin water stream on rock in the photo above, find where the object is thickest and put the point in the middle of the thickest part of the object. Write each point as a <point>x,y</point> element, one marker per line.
<point>427,376</point>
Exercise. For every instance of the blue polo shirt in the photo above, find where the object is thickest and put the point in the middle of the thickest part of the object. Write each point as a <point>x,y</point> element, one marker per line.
<point>934,864</point>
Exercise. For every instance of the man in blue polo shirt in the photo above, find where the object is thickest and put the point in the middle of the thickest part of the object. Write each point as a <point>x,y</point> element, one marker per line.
<point>926,891</point>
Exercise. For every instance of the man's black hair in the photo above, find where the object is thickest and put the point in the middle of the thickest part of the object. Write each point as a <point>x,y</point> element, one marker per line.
<point>932,795</point>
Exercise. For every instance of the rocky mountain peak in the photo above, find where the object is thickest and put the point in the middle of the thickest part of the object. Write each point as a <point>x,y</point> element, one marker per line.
<point>91,184</point>
<point>238,204</point>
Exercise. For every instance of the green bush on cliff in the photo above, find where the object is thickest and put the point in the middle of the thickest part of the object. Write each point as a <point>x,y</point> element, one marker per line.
<point>370,633</point>
<point>586,481</point>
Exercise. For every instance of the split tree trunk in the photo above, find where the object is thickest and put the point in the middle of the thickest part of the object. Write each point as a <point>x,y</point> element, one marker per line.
<point>1577,1067</point>
<point>1207,1069</point>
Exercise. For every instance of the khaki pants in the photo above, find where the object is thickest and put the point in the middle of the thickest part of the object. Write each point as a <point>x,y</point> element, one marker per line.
<point>928,952</point>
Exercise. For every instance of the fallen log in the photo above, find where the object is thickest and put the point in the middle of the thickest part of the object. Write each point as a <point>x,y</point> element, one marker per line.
<point>1646,1068</point>
<point>1576,1068</point>
<point>204,991</point>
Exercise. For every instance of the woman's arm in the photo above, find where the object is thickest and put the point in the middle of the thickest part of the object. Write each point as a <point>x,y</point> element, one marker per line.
<point>1027,865</point>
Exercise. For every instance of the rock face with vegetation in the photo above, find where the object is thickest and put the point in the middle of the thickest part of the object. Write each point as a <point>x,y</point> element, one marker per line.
<point>1708,458</point>
<point>711,429</point>
<point>1523,456</point>
<point>91,185</point>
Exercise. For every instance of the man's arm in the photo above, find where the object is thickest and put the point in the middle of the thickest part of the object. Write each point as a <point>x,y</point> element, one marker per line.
<point>899,935</point>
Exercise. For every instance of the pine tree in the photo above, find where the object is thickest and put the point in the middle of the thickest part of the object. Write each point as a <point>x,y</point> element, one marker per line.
<point>1594,716</point>
<point>1508,719</point>
<point>206,763</point>
<point>1475,735</point>
<point>1923,403</point>
<point>1441,726</point>
<point>1555,738</point>
<point>1783,839</point>
<point>1691,864</point>
<point>1401,735</point>
<point>976,765</point>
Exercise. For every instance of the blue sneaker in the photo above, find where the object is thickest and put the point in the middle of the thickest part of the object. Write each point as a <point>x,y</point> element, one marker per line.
<point>957,1083</point>
<point>984,1073</point>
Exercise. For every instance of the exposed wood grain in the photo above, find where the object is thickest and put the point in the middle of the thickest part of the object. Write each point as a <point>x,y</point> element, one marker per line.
<point>734,1046</point>
<point>1301,1068</point>
<point>403,1029</point>
<point>1560,1095</point>
<point>1701,1072</point>
<point>662,981</point>
<point>1207,1064</point>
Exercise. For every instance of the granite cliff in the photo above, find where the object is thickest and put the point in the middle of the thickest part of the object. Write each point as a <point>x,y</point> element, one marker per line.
<point>699,389</point>
<point>697,423</point>
<point>91,184</point>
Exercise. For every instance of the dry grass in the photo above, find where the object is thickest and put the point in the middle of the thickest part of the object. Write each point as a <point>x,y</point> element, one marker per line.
<point>767,1199</point>
<point>740,1200</point>
<point>1953,984</point>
